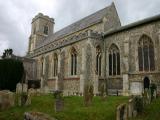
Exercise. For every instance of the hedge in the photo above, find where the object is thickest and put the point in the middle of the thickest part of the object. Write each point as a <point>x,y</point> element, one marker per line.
<point>11,72</point>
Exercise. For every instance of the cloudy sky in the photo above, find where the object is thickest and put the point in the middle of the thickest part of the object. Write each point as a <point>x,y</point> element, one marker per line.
<point>16,16</point>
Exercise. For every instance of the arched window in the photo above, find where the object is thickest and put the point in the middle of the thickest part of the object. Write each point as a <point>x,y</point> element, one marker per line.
<point>146,54</point>
<point>114,60</point>
<point>45,30</point>
<point>42,63</point>
<point>98,60</point>
<point>73,62</point>
<point>55,66</point>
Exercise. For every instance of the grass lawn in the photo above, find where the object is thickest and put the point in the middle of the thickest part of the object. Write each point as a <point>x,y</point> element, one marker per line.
<point>151,112</point>
<point>73,108</point>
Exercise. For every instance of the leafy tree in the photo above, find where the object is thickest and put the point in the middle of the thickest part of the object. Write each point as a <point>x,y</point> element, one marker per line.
<point>7,52</point>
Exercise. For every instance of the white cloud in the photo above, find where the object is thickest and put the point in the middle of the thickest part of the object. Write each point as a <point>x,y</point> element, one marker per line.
<point>16,16</point>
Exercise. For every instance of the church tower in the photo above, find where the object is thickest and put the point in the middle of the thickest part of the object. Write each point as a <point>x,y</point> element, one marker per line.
<point>42,27</point>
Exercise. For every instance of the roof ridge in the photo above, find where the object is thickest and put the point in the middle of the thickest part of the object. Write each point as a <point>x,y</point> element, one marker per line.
<point>98,11</point>
<point>78,25</point>
<point>133,24</point>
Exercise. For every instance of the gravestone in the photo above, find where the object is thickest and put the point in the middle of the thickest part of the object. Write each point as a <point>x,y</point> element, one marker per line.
<point>7,99</point>
<point>121,112</point>
<point>19,88</point>
<point>59,102</point>
<point>59,105</point>
<point>130,108</point>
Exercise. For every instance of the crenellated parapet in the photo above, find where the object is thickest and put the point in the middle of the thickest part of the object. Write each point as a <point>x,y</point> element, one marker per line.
<point>40,15</point>
<point>66,41</point>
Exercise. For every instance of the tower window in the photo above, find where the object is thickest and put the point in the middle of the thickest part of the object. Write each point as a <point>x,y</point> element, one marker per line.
<point>46,30</point>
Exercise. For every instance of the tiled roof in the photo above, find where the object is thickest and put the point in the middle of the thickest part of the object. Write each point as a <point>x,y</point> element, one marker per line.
<point>132,25</point>
<point>79,25</point>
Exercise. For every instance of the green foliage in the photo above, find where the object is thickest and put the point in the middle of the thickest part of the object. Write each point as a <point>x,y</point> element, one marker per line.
<point>7,52</point>
<point>138,104</point>
<point>153,88</point>
<point>11,72</point>
<point>151,111</point>
<point>73,108</point>
<point>57,94</point>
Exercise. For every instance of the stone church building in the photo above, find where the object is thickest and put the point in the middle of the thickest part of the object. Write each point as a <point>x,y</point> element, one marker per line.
<point>96,50</point>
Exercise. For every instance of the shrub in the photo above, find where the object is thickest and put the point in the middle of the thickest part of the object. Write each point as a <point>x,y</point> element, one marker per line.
<point>153,88</point>
<point>138,104</point>
<point>57,94</point>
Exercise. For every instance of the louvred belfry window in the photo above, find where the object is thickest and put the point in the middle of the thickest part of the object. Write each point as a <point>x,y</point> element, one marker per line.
<point>46,29</point>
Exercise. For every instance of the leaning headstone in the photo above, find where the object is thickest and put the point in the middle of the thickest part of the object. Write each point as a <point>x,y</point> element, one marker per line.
<point>121,112</point>
<point>130,108</point>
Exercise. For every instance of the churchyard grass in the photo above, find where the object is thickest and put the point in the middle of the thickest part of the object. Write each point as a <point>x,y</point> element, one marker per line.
<point>74,108</point>
<point>151,112</point>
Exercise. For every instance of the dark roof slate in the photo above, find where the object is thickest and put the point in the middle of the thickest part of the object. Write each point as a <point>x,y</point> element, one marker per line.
<point>79,25</point>
<point>132,25</point>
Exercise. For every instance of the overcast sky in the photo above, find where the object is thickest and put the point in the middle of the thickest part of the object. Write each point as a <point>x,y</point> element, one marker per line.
<point>16,16</point>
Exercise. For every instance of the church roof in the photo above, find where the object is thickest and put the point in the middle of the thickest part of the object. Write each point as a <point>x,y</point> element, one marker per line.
<point>132,25</point>
<point>79,25</point>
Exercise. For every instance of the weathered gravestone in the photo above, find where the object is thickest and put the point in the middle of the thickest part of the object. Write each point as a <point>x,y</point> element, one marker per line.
<point>146,97</point>
<point>19,88</point>
<point>121,112</point>
<point>22,93</point>
<point>7,99</point>
<point>130,108</point>
<point>59,102</point>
